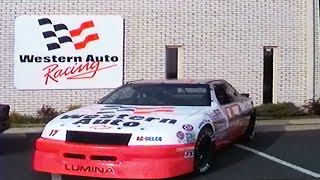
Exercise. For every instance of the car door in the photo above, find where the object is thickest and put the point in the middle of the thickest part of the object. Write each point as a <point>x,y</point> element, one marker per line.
<point>218,119</point>
<point>230,107</point>
<point>242,109</point>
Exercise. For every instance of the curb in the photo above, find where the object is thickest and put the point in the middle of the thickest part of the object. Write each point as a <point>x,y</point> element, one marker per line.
<point>284,125</point>
<point>289,122</point>
<point>262,126</point>
<point>284,128</point>
<point>23,130</point>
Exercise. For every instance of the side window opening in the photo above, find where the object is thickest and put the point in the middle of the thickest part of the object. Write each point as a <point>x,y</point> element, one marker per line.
<point>221,94</point>
<point>231,91</point>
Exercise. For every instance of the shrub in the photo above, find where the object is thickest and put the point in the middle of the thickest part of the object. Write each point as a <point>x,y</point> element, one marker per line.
<point>313,106</point>
<point>73,106</point>
<point>17,118</point>
<point>47,113</point>
<point>44,115</point>
<point>280,110</point>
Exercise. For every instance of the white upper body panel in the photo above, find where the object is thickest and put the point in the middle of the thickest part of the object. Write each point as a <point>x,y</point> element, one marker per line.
<point>156,125</point>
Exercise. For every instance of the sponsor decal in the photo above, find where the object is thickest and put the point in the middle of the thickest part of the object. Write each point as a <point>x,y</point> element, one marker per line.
<point>216,113</point>
<point>68,52</point>
<point>53,132</point>
<point>180,135</point>
<point>190,137</point>
<point>203,122</point>
<point>152,110</point>
<point>89,169</point>
<point>185,149</point>
<point>135,110</point>
<point>100,127</point>
<point>148,138</point>
<point>233,110</point>
<point>187,127</point>
<point>189,154</point>
<point>125,120</point>
<point>220,125</point>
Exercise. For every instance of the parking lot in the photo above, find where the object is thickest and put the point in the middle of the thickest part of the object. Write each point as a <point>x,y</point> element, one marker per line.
<point>273,155</point>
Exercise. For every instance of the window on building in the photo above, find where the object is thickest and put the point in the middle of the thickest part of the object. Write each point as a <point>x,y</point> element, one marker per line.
<point>221,94</point>
<point>267,75</point>
<point>171,62</point>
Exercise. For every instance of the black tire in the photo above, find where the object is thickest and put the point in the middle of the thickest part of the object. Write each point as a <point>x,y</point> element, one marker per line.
<point>204,152</point>
<point>249,134</point>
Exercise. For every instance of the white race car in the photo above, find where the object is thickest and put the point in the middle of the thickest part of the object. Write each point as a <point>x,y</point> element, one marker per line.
<point>147,129</point>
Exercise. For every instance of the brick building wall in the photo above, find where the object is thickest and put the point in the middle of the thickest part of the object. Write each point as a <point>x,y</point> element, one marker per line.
<point>317,50</point>
<point>220,39</point>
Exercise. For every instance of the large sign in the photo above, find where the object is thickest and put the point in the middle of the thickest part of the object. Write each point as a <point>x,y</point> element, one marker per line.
<point>68,52</point>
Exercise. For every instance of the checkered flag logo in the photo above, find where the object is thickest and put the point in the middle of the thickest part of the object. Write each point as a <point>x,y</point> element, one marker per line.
<point>135,110</point>
<point>67,37</point>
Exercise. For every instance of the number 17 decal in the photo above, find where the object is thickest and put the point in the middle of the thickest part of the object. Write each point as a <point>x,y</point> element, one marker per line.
<point>233,110</point>
<point>53,132</point>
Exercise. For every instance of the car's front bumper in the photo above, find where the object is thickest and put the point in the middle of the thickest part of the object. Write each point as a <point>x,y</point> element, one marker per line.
<point>133,162</point>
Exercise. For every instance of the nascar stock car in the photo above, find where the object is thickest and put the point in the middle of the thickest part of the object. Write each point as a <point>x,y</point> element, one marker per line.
<point>147,129</point>
<point>4,117</point>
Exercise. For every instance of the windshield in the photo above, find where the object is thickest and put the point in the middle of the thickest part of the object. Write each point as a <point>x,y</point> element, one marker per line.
<point>160,95</point>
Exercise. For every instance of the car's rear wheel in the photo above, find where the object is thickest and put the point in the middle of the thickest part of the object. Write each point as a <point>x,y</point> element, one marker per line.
<point>249,134</point>
<point>204,152</point>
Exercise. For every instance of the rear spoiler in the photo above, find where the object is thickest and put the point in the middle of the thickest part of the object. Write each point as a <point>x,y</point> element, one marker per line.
<point>245,94</point>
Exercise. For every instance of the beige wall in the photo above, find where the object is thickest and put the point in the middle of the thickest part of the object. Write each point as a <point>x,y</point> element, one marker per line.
<point>317,50</point>
<point>220,39</point>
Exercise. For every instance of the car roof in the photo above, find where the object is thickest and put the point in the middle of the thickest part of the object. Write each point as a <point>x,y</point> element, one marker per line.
<point>174,81</point>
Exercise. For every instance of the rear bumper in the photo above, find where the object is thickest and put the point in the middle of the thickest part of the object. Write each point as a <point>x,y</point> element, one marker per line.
<point>125,162</point>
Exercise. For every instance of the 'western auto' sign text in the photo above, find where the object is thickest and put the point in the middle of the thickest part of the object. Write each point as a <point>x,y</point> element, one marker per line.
<point>68,52</point>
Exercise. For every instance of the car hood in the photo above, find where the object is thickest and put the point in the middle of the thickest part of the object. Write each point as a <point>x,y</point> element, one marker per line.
<point>136,120</point>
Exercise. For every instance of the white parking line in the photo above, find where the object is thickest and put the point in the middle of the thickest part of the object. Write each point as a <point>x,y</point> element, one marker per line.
<point>300,169</point>
<point>56,177</point>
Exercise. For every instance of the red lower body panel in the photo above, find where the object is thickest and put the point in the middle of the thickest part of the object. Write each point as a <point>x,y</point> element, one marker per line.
<point>132,162</point>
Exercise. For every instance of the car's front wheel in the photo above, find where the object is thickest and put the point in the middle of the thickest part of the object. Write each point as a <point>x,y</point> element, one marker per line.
<point>204,152</point>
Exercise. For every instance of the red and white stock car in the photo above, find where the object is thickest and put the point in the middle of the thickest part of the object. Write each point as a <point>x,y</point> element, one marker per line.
<point>147,129</point>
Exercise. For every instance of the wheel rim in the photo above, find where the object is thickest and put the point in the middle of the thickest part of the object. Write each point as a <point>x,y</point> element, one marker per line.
<point>252,127</point>
<point>252,134</point>
<point>203,153</point>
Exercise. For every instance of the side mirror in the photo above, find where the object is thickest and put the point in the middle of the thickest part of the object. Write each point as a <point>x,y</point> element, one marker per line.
<point>245,94</point>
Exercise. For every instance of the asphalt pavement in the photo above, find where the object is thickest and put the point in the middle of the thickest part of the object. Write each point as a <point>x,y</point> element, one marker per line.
<point>273,155</point>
